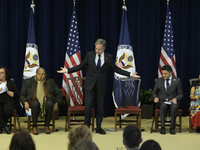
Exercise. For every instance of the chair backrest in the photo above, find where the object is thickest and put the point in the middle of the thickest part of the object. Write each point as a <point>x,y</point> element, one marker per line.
<point>75,91</point>
<point>129,91</point>
<point>193,80</point>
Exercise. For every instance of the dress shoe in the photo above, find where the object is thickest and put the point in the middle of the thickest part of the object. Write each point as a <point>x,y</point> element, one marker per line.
<point>35,131</point>
<point>47,130</point>
<point>172,131</point>
<point>198,130</point>
<point>162,131</point>
<point>100,131</point>
<point>6,128</point>
<point>0,129</point>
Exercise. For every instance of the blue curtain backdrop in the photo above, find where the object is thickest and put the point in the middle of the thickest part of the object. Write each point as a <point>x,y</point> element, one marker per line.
<point>102,18</point>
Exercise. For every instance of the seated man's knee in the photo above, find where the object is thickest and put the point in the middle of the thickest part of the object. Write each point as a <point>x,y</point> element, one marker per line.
<point>174,107</point>
<point>49,104</point>
<point>35,104</point>
<point>163,107</point>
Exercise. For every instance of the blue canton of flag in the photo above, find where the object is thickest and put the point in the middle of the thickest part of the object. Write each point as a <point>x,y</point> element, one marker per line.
<point>31,63</point>
<point>124,59</point>
<point>72,58</point>
<point>167,56</point>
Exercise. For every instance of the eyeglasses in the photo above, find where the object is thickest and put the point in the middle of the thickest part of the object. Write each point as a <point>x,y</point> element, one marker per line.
<point>42,74</point>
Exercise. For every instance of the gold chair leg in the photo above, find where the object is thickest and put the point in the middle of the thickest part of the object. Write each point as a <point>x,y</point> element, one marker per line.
<point>156,121</point>
<point>29,124</point>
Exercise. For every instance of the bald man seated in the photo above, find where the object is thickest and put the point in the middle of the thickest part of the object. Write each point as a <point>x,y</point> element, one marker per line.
<point>41,95</point>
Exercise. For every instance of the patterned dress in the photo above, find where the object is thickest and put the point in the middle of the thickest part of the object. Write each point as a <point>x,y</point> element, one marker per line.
<point>195,109</point>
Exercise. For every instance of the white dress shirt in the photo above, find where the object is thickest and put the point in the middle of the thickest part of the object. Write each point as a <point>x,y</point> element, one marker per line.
<point>170,80</point>
<point>102,59</point>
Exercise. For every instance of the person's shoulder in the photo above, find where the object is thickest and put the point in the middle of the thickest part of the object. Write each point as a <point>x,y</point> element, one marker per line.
<point>176,79</point>
<point>107,55</point>
<point>29,79</point>
<point>11,82</point>
<point>50,80</point>
<point>159,79</point>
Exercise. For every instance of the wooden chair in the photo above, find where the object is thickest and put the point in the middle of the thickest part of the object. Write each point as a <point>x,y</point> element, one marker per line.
<point>130,87</point>
<point>167,123</point>
<point>15,121</point>
<point>41,122</point>
<point>74,84</point>
<point>190,124</point>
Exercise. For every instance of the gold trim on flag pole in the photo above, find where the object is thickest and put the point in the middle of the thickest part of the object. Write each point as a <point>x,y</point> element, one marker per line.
<point>124,2</point>
<point>124,5</point>
<point>167,2</point>
<point>33,5</point>
<point>74,2</point>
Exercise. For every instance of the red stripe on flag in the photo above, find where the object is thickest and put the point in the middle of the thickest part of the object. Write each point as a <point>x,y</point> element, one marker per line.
<point>163,59</point>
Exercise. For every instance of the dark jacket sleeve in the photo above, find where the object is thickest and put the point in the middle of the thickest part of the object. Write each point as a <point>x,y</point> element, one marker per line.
<point>12,87</point>
<point>155,90</point>
<point>24,91</point>
<point>179,91</point>
<point>117,69</point>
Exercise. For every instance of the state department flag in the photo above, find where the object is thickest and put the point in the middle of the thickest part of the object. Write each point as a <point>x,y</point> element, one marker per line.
<point>167,56</point>
<point>125,58</point>
<point>73,58</point>
<point>31,63</point>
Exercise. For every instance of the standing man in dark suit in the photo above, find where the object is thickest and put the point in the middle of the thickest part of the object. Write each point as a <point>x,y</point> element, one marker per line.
<point>168,92</point>
<point>99,63</point>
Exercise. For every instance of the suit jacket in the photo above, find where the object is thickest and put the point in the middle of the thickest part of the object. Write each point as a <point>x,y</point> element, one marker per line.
<point>29,86</point>
<point>174,91</point>
<point>97,76</point>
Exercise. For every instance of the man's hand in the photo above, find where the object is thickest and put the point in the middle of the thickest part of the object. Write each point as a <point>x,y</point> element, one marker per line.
<point>26,105</point>
<point>174,100</point>
<point>55,107</point>
<point>134,75</point>
<point>156,100</point>
<point>63,70</point>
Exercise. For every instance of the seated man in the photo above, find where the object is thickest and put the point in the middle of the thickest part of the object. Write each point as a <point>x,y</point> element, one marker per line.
<point>132,137</point>
<point>167,92</point>
<point>41,95</point>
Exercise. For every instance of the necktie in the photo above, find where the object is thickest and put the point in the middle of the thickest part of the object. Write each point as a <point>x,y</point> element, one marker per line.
<point>99,62</point>
<point>167,81</point>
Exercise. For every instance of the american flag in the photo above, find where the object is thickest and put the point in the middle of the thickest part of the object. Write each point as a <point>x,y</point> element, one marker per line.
<point>72,58</point>
<point>167,56</point>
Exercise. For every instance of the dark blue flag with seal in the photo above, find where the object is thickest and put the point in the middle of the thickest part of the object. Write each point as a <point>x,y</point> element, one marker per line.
<point>31,63</point>
<point>124,59</point>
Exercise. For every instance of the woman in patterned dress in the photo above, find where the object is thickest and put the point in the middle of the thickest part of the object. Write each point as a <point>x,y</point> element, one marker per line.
<point>195,105</point>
